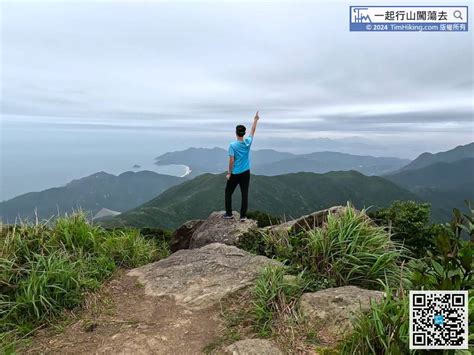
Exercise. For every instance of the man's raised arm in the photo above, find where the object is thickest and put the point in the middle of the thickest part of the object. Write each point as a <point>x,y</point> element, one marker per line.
<point>254,126</point>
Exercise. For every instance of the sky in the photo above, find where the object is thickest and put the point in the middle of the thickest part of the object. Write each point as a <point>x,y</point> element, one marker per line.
<point>131,77</point>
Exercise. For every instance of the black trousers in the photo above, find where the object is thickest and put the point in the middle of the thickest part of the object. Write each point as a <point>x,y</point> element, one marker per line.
<point>243,180</point>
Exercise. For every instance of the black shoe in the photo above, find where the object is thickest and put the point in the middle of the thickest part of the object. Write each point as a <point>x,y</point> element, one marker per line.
<point>243,219</point>
<point>227,216</point>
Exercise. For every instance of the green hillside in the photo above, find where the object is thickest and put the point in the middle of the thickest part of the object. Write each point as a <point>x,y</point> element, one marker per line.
<point>444,185</point>
<point>439,175</point>
<point>101,190</point>
<point>321,162</point>
<point>449,156</point>
<point>290,195</point>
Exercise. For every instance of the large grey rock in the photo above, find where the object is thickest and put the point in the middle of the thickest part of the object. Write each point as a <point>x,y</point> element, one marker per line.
<point>332,309</point>
<point>215,229</point>
<point>310,221</point>
<point>181,237</point>
<point>252,347</point>
<point>200,278</point>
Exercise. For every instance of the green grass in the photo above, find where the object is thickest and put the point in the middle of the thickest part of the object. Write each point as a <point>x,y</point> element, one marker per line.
<point>274,295</point>
<point>383,330</point>
<point>447,265</point>
<point>348,250</point>
<point>352,250</point>
<point>270,309</point>
<point>45,270</point>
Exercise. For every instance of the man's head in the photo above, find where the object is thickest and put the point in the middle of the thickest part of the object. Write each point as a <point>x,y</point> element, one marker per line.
<point>240,130</point>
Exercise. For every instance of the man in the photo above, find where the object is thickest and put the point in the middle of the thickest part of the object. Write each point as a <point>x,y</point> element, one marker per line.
<point>239,169</point>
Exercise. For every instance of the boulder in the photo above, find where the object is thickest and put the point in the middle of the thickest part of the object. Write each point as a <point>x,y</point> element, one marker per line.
<point>200,278</point>
<point>332,309</point>
<point>252,347</point>
<point>181,237</point>
<point>216,229</point>
<point>310,221</point>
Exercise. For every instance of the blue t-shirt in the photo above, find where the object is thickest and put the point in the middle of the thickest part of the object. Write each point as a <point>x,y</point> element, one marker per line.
<point>240,151</point>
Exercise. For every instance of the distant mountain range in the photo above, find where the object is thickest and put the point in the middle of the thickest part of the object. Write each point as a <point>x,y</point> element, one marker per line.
<point>92,193</point>
<point>270,162</point>
<point>444,184</point>
<point>426,159</point>
<point>440,175</point>
<point>321,162</point>
<point>215,160</point>
<point>287,195</point>
<point>444,179</point>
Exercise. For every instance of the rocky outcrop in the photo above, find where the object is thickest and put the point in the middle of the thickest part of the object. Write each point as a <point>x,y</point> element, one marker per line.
<point>181,237</point>
<point>310,221</point>
<point>332,309</point>
<point>215,229</point>
<point>252,347</point>
<point>199,278</point>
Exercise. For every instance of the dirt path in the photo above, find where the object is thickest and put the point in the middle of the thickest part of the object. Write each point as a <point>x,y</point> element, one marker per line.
<point>123,320</point>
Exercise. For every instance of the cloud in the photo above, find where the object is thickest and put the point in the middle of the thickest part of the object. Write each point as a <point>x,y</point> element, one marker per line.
<point>159,65</point>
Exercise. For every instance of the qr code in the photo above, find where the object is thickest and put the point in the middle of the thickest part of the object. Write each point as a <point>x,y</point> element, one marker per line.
<point>438,320</point>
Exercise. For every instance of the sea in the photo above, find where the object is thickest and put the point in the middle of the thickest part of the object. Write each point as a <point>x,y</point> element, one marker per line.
<point>36,157</point>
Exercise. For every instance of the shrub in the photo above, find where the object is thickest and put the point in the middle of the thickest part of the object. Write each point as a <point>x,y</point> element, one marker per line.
<point>409,223</point>
<point>449,265</point>
<point>158,234</point>
<point>263,219</point>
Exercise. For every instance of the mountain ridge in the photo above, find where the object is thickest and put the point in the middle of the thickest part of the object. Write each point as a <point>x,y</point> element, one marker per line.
<point>289,195</point>
<point>99,190</point>
<point>436,175</point>
<point>448,156</point>
<point>271,162</point>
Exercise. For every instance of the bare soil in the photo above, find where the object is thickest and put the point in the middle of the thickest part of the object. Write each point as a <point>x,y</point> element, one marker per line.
<point>121,319</point>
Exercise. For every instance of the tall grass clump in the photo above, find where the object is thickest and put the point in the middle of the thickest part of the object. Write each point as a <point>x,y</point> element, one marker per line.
<point>274,296</point>
<point>45,269</point>
<point>349,249</point>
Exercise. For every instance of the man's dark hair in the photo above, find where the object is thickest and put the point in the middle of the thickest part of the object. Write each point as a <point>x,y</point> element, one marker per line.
<point>240,130</point>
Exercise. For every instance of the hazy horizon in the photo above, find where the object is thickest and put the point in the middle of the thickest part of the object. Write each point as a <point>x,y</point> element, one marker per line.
<point>99,86</point>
